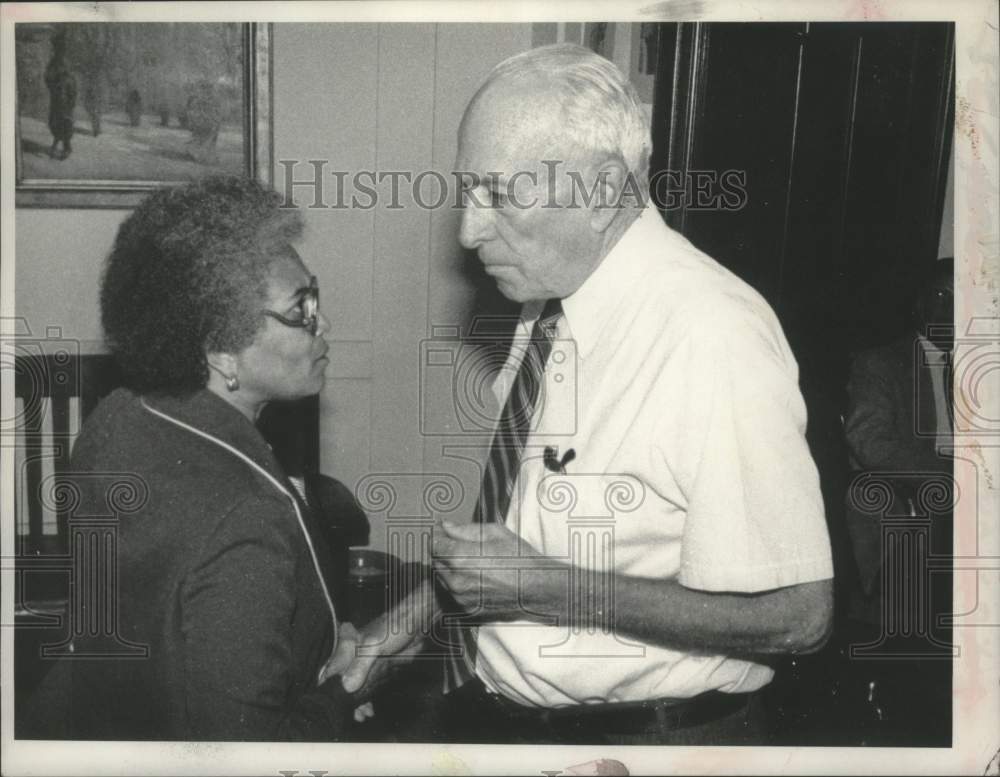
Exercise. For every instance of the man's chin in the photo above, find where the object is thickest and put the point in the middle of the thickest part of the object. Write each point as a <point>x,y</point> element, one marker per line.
<point>511,291</point>
<point>506,292</point>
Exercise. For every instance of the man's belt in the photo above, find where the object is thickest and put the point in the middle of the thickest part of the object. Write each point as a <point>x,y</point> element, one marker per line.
<point>631,717</point>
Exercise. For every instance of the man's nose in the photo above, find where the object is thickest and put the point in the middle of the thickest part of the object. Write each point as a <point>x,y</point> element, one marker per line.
<point>477,223</point>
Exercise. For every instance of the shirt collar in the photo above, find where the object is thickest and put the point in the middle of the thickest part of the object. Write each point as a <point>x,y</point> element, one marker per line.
<point>934,354</point>
<point>589,308</point>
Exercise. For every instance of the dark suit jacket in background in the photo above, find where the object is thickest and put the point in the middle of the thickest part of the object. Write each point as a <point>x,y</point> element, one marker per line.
<point>890,428</point>
<point>214,576</point>
<point>891,417</point>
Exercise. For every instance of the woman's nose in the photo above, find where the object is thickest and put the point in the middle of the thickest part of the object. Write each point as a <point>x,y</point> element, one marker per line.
<point>323,324</point>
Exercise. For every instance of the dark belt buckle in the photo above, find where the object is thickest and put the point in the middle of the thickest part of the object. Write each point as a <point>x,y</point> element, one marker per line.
<point>670,717</point>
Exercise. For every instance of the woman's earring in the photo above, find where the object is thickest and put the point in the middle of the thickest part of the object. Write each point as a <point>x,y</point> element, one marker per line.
<point>232,382</point>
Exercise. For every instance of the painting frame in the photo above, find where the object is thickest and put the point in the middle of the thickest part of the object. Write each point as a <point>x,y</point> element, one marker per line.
<point>258,144</point>
<point>632,45</point>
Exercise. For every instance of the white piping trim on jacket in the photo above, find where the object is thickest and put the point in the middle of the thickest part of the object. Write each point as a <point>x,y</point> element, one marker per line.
<point>277,484</point>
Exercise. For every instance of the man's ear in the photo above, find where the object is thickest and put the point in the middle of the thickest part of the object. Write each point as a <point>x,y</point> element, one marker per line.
<point>610,193</point>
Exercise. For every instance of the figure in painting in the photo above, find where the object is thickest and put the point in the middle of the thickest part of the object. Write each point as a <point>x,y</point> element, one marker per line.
<point>93,103</point>
<point>133,107</point>
<point>62,98</point>
<point>204,117</point>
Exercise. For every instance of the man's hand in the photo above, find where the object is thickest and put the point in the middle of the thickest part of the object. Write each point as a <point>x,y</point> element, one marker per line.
<point>365,659</point>
<point>488,569</point>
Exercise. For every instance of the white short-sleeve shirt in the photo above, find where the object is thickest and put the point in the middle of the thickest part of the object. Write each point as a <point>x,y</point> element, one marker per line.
<point>674,386</point>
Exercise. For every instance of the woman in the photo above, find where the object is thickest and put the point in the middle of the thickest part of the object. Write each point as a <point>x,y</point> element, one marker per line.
<point>210,314</point>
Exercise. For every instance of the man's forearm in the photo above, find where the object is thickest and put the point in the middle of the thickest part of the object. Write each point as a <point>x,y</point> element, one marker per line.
<point>412,617</point>
<point>795,619</point>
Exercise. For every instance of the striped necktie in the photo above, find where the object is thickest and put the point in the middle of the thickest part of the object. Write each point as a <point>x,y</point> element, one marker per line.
<point>504,460</point>
<point>515,421</point>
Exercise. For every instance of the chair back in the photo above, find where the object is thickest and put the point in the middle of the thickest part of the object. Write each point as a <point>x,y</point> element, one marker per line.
<point>54,393</point>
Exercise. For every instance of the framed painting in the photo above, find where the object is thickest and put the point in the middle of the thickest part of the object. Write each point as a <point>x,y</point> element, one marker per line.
<point>108,111</point>
<point>644,55</point>
<point>599,37</point>
<point>634,47</point>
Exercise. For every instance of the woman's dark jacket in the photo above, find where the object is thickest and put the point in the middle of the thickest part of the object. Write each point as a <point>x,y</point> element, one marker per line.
<point>214,577</point>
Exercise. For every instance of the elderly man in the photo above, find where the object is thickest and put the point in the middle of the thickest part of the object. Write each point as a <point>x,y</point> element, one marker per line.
<point>686,395</point>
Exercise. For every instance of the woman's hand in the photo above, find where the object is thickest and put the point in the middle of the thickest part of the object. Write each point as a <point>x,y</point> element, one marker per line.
<point>343,652</point>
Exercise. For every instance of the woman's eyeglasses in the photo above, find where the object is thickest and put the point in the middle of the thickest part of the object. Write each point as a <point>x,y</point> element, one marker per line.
<point>308,317</point>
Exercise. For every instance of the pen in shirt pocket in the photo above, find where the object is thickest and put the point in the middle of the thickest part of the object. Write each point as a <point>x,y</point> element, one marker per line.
<point>552,461</point>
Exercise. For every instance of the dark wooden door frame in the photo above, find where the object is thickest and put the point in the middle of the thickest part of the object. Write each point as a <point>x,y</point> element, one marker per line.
<point>686,51</point>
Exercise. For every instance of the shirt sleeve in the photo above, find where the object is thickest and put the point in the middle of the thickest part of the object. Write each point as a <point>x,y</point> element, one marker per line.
<point>238,608</point>
<point>754,512</point>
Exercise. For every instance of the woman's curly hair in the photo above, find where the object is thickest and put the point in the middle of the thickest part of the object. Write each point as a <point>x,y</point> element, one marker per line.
<point>187,275</point>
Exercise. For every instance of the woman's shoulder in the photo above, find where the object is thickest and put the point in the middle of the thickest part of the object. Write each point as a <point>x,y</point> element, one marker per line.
<point>104,422</point>
<point>183,466</point>
<point>118,401</point>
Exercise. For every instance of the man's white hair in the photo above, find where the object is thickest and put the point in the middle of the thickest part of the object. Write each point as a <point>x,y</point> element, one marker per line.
<point>599,110</point>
